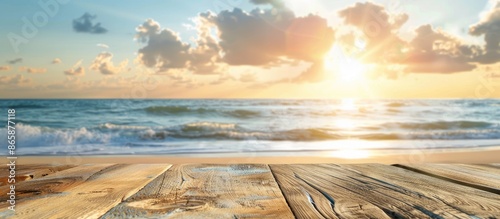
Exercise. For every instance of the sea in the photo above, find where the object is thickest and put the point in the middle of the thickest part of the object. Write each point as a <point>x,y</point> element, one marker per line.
<point>218,126</point>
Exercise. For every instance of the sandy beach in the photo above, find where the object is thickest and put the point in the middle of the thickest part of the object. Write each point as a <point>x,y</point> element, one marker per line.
<point>470,156</point>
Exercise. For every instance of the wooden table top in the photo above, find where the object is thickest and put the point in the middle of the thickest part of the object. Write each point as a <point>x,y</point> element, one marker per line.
<point>253,191</point>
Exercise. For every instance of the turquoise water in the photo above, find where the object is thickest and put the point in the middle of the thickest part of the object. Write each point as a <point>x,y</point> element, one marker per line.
<point>119,126</point>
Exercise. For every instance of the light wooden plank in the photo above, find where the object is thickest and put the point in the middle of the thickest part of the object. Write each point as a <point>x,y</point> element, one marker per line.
<point>31,171</point>
<point>99,188</point>
<point>477,176</point>
<point>378,191</point>
<point>470,201</point>
<point>495,165</point>
<point>208,191</point>
<point>52,184</point>
<point>318,191</point>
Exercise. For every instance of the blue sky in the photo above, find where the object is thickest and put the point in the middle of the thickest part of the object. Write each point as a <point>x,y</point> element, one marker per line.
<point>58,39</point>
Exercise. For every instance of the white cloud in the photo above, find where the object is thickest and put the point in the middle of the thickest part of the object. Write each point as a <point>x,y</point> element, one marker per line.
<point>104,65</point>
<point>76,70</point>
<point>56,61</point>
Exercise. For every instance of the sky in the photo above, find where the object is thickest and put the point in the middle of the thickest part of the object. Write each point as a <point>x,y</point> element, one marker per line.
<point>250,49</point>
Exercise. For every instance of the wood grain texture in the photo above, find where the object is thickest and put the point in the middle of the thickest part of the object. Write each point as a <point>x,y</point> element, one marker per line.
<point>31,171</point>
<point>482,177</point>
<point>52,184</point>
<point>208,191</point>
<point>86,191</point>
<point>378,191</point>
<point>496,165</point>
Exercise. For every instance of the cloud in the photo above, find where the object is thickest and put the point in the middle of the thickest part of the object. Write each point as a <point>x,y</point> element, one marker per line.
<point>84,24</point>
<point>14,80</point>
<point>248,78</point>
<point>56,61</point>
<point>489,27</point>
<point>265,37</point>
<point>274,3</point>
<point>222,79</point>
<point>5,68</point>
<point>104,46</point>
<point>15,61</point>
<point>76,70</point>
<point>179,79</point>
<point>33,70</point>
<point>164,49</point>
<point>257,38</point>
<point>430,51</point>
<point>205,57</point>
<point>379,29</point>
<point>434,51</point>
<point>261,37</point>
<point>104,65</point>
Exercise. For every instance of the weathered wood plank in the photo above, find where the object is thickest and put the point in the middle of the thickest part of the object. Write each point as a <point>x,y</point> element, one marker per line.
<point>477,176</point>
<point>378,191</point>
<point>52,184</point>
<point>87,191</point>
<point>314,191</point>
<point>208,191</point>
<point>496,165</point>
<point>464,199</point>
<point>31,171</point>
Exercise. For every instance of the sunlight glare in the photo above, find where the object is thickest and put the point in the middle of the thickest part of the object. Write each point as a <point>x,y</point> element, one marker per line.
<point>346,68</point>
<point>348,104</point>
<point>344,124</point>
<point>350,154</point>
<point>351,70</point>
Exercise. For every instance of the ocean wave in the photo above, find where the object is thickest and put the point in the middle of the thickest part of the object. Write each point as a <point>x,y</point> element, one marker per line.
<point>441,125</point>
<point>243,113</point>
<point>395,104</point>
<point>26,106</point>
<point>27,135</point>
<point>230,132</point>
<point>175,110</point>
<point>111,126</point>
<point>113,134</point>
<point>189,111</point>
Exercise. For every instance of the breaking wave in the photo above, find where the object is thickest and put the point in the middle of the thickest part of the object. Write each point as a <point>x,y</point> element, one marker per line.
<point>112,134</point>
<point>189,111</point>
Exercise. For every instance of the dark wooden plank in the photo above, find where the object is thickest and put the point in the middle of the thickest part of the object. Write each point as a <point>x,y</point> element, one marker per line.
<point>208,191</point>
<point>378,191</point>
<point>476,176</point>
<point>86,191</point>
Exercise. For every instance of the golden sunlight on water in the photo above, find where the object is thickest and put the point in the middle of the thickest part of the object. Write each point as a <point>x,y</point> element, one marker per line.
<point>352,146</point>
<point>346,105</point>
<point>344,124</point>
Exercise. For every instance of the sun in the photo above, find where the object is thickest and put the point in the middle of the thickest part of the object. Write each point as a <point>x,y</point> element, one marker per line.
<point>345,69</point>
<point>351,70</point>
